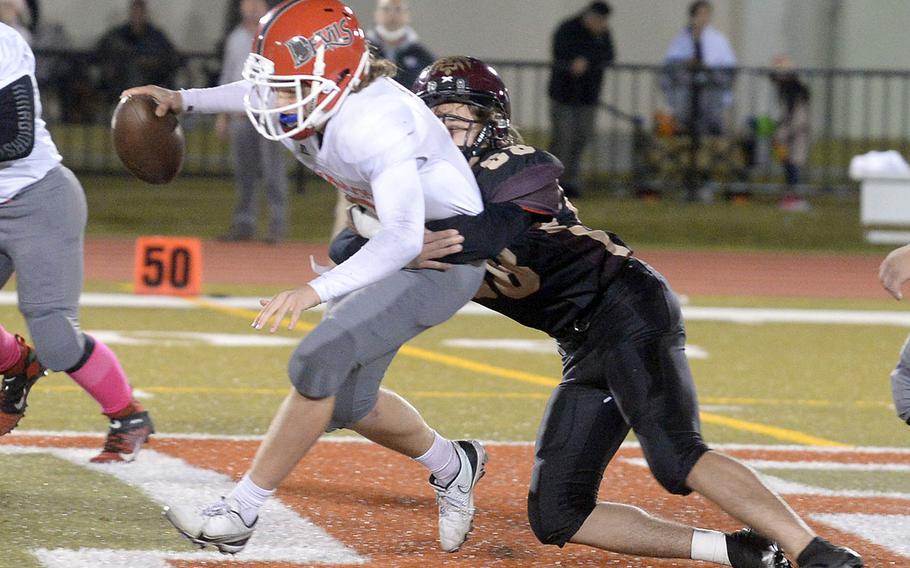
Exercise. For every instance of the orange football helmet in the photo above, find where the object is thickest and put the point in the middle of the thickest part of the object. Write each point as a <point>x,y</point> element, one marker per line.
<point>307,57</point>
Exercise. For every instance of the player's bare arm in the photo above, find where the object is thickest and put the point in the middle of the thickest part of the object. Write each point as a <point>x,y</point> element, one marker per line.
<point>293,302</point>
<point>895,271</point>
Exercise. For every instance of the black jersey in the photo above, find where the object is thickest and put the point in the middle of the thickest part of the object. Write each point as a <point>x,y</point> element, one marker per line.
<point>544,268</point>
<point>550,274</point>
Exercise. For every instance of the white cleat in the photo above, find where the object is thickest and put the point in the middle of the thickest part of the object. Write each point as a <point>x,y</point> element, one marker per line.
<point>219,525</point>
<point>456,500</point>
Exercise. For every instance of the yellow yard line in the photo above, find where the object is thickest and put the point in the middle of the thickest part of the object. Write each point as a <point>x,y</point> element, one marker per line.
<point>416,352</point>
<point>532,378</point>
<point>783,434</point>
<point>818,403</point>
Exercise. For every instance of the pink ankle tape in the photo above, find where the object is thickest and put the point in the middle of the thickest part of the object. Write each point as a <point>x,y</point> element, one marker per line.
<point>9,349</point>
<point>103,378</point>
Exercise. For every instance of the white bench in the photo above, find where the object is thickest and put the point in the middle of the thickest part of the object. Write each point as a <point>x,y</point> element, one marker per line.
<point>885,201</point>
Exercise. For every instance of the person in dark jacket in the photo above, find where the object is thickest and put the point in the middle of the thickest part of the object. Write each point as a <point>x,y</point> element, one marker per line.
<point>582,49</point>
<point>136,53</point>
<point>395,40</point>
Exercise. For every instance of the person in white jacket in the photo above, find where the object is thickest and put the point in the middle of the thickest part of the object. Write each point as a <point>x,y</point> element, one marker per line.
<point>311,83</point>
<point>699,74</point>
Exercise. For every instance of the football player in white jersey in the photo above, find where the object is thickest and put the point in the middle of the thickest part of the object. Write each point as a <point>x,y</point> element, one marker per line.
<point>311,83</point>
<point>42,221</point>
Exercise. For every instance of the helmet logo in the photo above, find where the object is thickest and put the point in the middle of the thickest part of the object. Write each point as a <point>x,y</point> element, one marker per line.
<point>335,35</point>
<point>449,65</point>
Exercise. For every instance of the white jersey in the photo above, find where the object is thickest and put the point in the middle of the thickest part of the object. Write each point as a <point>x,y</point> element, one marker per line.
<point>387,151</point>
<point>17,61</point>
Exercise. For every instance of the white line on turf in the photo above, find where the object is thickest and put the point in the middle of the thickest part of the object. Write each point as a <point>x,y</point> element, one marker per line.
<point>282,535</point>
<point>691,313</point>
<point>345,439</point>
<point>890,531</point>
<point>809,465</point>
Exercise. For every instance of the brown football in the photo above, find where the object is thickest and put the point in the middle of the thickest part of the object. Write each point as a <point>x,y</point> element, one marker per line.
<point>150,147</point>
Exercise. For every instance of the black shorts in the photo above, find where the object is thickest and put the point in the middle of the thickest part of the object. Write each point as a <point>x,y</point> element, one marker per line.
<point>623,367</point>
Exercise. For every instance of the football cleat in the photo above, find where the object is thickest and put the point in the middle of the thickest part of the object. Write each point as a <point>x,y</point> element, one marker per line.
<point>456,500</point>
<point>822,554</point>
<point>126,435</point>
<point>18,380</point>
<point>748,549</point>
<point>219,525</point>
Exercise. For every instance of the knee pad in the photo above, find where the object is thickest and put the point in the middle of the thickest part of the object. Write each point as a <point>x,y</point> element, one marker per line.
<point>900,390</point>
<point>350,410</point>
<point>58,342</point>
<point>322,361</point>
<point>672,464</point>
<point>555,518</point>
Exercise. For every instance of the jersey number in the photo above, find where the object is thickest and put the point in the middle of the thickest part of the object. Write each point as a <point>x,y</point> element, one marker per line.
<point>500,158</point>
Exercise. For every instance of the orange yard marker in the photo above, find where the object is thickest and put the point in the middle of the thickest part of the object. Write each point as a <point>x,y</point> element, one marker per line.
<point>168,266</point>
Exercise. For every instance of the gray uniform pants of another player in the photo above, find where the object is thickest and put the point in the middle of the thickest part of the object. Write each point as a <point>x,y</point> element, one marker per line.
<point>347,354</point>
<point>255,159</point>
<point>41,238</point>
<point>626,368</point>
<point>900,384</point>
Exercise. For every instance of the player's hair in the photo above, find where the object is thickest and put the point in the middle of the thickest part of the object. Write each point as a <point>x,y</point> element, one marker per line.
<point>379,67</point>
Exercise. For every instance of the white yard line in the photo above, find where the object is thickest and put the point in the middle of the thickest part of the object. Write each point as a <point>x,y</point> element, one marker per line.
<point>282,534</point>
<point>783,448</point>
<point>691,313</point>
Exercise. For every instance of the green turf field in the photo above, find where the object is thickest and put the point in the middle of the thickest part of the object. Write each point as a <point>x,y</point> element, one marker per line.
<point>826,383</point>
<point>202,207</point>
<point>768,384</point>
<point>829,381</point>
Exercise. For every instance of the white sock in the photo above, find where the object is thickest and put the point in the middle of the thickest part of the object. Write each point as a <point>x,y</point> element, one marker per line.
<point>710,546</point>
<point>441,460</point>
<point>250,497</point>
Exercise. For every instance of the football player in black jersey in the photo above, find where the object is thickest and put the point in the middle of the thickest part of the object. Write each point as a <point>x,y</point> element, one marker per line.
<point>620,333</point>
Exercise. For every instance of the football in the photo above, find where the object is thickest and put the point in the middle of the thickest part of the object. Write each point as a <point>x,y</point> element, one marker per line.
<point>150,147</point>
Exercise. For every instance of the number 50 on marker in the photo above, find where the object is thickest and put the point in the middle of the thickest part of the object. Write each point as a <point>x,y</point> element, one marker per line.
<point>168,265</point>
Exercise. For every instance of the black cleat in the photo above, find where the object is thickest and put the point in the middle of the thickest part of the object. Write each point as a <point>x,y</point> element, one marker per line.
<point>748,549</point>
<point>15,384</point>
<point>822,554</point>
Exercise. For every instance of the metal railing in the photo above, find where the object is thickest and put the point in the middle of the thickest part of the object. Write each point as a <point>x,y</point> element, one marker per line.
<point>853,111</point>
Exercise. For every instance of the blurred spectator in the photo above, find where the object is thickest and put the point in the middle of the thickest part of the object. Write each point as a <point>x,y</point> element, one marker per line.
<point>135,53</point>
<point>582,49</point>
<point>254,157</point>
<point>396,40</point>
<point>792,137</point>
<point>63,79</point>
<point>699,77</point>
<point>11,13</point>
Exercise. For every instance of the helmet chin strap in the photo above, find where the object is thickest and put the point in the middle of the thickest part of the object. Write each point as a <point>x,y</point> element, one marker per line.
<point>480,143</point>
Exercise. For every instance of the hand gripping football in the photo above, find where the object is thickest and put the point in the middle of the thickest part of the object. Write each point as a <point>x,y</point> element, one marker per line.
<point>150,147</point>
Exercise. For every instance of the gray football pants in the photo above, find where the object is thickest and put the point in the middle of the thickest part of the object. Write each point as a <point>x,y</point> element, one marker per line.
<point>346,356</point>
<point>257,159</point>
<point>41,238</point>
<point>900,384</point>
